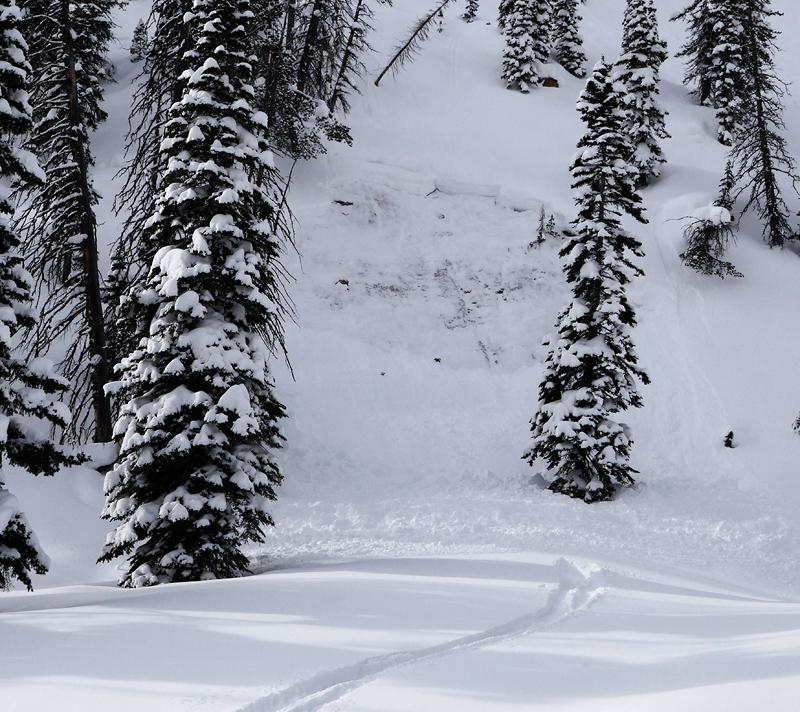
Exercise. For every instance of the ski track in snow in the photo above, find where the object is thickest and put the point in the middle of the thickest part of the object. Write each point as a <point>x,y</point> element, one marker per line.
<point>578,588</point>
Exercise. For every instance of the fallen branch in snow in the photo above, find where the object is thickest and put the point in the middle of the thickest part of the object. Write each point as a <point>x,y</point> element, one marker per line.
<point>419,33</point>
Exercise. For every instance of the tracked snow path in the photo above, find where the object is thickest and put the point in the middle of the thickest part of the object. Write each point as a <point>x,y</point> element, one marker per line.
<point>578,587</point>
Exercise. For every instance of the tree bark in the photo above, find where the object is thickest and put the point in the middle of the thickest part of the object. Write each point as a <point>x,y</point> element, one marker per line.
<point>309,46</point>
<point>88,224</point>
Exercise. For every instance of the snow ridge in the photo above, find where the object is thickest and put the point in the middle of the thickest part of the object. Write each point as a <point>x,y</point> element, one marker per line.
<point>579,585</point>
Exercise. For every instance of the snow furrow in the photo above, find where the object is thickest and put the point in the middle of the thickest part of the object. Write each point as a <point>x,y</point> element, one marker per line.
<point>578,587</point>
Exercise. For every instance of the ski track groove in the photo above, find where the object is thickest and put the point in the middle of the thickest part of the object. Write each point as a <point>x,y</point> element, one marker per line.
<point>577,589</point>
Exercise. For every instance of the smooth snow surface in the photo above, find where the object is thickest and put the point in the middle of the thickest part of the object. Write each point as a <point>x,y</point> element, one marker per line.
<point>493,632</point>
<point>415,561</point>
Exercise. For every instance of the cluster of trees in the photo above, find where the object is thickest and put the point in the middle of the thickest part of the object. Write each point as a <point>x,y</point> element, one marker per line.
<point>591,369</point>
<point>168,355</point>
<point>730,65</point>
<point>534,29</point>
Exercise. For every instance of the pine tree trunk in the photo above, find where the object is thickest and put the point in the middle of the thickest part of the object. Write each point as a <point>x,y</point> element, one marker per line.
<point>705,90</point>
<point>94,304</point>
<point>291,15</point>
<point>346,55</point>
<point>309,46</point>
<point>767,174</point>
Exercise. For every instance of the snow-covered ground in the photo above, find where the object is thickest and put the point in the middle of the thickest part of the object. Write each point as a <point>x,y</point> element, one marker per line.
<point>467,633</point>
<point>414,564</point>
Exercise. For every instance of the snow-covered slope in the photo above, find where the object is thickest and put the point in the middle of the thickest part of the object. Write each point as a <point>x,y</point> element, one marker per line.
<point>392,450</point>
<point>416,356</point>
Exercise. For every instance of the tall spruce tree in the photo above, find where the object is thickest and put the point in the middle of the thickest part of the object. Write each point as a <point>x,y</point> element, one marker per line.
<point>643,52</point>
<point>157,88</point>
<point>138,48</point>
<point>527,32</point>
<point>591,371</point>
<point>714,52</point>
<point>68,40</point>
<point>567,41</point>
<point>199,421</point>
<point>759,153</point>
<point>351,63</point>
<point>29,390</point>
<point>727,71</point>
<point>698,48</point>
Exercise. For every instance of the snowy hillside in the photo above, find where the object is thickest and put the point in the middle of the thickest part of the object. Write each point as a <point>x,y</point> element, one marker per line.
<point>415,563</point>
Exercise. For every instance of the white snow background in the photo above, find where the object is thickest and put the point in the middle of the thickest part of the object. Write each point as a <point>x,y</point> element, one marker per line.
<point>415,565</point>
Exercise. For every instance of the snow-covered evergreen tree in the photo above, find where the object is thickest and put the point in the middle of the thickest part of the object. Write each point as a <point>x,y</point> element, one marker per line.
<point>567,41</point>
<point>527,33</point>
<point>157,88</point>
<point>591,371</point>
<point>709,231</point>
<point>503,11</point>
<point>29,389</point>
<point>699,47</point>
<point>727,71</point>
<point>320,28</point>
<point>300,49</point>
<point>640,20</point>
<point>138,50</point>
<point>198,425</point>
<point>471,11</point>
<point>68,41</point>
<point>715,53</point>
<point>638,69</point>
<point>350,63</point>
<point>759,153</point>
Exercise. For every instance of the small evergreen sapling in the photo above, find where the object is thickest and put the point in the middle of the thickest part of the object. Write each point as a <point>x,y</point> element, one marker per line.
<point>591,370</point>
<point>138,48</point>
<point>550,229</point>
<point>30,391</point>
<point>545,228</point>
<point>471,11</point>
<point>541,227</point>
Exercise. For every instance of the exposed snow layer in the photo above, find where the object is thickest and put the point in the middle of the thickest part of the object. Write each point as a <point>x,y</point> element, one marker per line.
<point>417,355</point>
